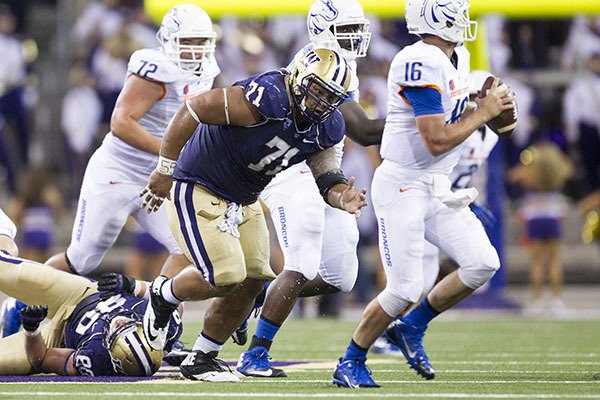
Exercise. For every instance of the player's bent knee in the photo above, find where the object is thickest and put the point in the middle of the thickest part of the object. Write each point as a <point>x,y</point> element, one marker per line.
<point>395,301</point>
<point>475,276</point>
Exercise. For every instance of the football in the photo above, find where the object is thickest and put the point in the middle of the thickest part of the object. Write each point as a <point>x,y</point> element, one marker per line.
<point>504,124</point>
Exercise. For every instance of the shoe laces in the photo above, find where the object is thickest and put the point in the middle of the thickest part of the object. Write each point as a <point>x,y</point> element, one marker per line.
<point>261,358</point>
<point>360,371</point>
<point>211,360</point>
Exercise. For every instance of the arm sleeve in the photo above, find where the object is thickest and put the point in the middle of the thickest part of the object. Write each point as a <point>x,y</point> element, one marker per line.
<point>424,100</point>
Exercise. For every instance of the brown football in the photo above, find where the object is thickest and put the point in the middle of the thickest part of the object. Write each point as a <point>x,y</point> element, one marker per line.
<point>504,124</point>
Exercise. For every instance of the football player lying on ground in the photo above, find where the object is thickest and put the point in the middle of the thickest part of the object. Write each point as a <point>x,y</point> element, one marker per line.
<point>89,333</point>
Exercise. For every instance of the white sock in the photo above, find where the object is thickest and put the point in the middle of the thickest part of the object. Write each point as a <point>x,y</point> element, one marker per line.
<point>167,292</point>
<point>206,344</point>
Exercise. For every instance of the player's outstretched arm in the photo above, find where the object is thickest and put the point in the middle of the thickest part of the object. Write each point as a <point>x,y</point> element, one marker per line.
<point>359,127</point>
<point>225,106</point>
<point>337,191</point>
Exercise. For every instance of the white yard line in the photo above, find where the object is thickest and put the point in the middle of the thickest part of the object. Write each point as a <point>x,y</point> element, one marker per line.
<point>345,393</point>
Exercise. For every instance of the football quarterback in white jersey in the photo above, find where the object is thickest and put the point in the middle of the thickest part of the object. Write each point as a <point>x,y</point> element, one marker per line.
<point>473,154</point>
<point>318,241</point>
<point>425,127</point>
<point>157,82</point>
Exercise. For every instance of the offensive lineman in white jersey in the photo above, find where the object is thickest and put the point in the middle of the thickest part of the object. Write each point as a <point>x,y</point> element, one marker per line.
<point>157,82</point>
<point>425,127</point>
<point>318,241</point>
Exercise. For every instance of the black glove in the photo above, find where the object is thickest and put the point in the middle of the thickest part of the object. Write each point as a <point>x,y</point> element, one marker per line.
<point>32,317</point>
<point>111,283</point>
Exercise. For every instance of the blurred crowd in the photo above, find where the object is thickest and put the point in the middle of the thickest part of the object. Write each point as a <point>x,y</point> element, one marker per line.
<point>553,67</point>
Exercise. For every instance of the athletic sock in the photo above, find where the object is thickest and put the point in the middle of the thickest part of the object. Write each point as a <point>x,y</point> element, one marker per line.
<point>166,291</point>
<point>206,344</point>
<point>355,352</point>
<point>421,315</point>
<point>265,333</point>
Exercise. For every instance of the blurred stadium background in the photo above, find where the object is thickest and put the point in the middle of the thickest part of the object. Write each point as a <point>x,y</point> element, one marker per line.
<point>63,64</point>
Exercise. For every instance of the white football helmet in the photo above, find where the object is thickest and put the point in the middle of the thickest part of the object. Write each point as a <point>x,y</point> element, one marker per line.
<point>319,83</point>
<point>129,351</point>
<point>339,25</point>
<point>187,37</point>
<point>448,19</point>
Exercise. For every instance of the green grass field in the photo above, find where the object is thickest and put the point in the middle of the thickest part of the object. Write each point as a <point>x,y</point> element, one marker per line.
<point>490,359</point>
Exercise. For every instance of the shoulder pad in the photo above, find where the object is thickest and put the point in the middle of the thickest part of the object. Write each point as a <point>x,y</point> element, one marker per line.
<point>269,93</point>
<point>153,64</point>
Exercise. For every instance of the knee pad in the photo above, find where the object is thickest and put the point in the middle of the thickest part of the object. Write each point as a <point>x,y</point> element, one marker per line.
<point>476,275</point>
<point>394,301</point>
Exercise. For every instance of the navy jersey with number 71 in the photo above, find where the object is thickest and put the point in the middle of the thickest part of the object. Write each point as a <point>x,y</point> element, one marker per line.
<point>237,162</point>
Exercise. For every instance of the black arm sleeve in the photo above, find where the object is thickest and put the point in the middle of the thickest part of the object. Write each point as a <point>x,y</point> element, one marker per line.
<point>328,180</point>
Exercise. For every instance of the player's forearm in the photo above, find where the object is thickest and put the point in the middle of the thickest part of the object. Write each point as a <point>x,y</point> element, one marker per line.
<point>36,349</point>
<point>455,134</point>
<point>131,132</point>
<point>359,127</point>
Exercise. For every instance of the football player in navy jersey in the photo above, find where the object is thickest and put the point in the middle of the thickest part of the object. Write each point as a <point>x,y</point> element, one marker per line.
<point>236,139</point>
<point>87,334</point>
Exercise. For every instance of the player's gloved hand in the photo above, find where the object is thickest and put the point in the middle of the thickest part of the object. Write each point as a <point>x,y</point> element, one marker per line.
<point>32,317</point>
<point>111,283</point>
<point>484,214</point>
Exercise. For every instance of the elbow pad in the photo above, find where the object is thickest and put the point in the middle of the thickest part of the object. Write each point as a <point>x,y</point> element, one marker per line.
<point>328,180</point>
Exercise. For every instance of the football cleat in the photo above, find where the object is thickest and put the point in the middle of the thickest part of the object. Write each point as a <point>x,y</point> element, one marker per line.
<point>409,340</point>
<point>199,366</point>
<point>383,346</point>
<point>177,354</point>
<point>256,363</point>
<point>157,315</point>
<point>240,336</point>
<point>353,374</point>
<point>10,316</point>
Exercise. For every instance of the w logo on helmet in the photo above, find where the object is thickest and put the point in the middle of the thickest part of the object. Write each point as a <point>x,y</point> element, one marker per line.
<point>319,18</point>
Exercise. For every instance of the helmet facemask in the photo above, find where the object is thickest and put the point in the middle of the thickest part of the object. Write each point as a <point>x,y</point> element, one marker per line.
<point>352,38</point>
<point>187,38</point>
<point>339,25</point>
<point>129,351</point>
<point>319,82</point>
<point>316,99</point>
<point>191,53</point>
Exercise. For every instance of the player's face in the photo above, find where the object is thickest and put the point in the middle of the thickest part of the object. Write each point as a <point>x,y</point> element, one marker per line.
<point>320,100</point>
<point>189,43</point>
<point>350,44</point>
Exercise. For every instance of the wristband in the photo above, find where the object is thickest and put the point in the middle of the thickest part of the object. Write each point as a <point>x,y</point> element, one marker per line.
<point>32,333</point>
<point>165,166</point>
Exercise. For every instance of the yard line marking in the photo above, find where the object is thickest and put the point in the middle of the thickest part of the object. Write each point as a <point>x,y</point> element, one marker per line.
<point>536,354</point>
<point>434,381</point>
<point>314,395</point>
<point>496,362</point>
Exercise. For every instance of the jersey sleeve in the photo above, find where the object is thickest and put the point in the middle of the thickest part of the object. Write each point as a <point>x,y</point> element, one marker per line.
<point>268,92</point>
<point>88,361</point>
<point>154,65</point>
<point>415,71</point>
<point>7,227</point>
